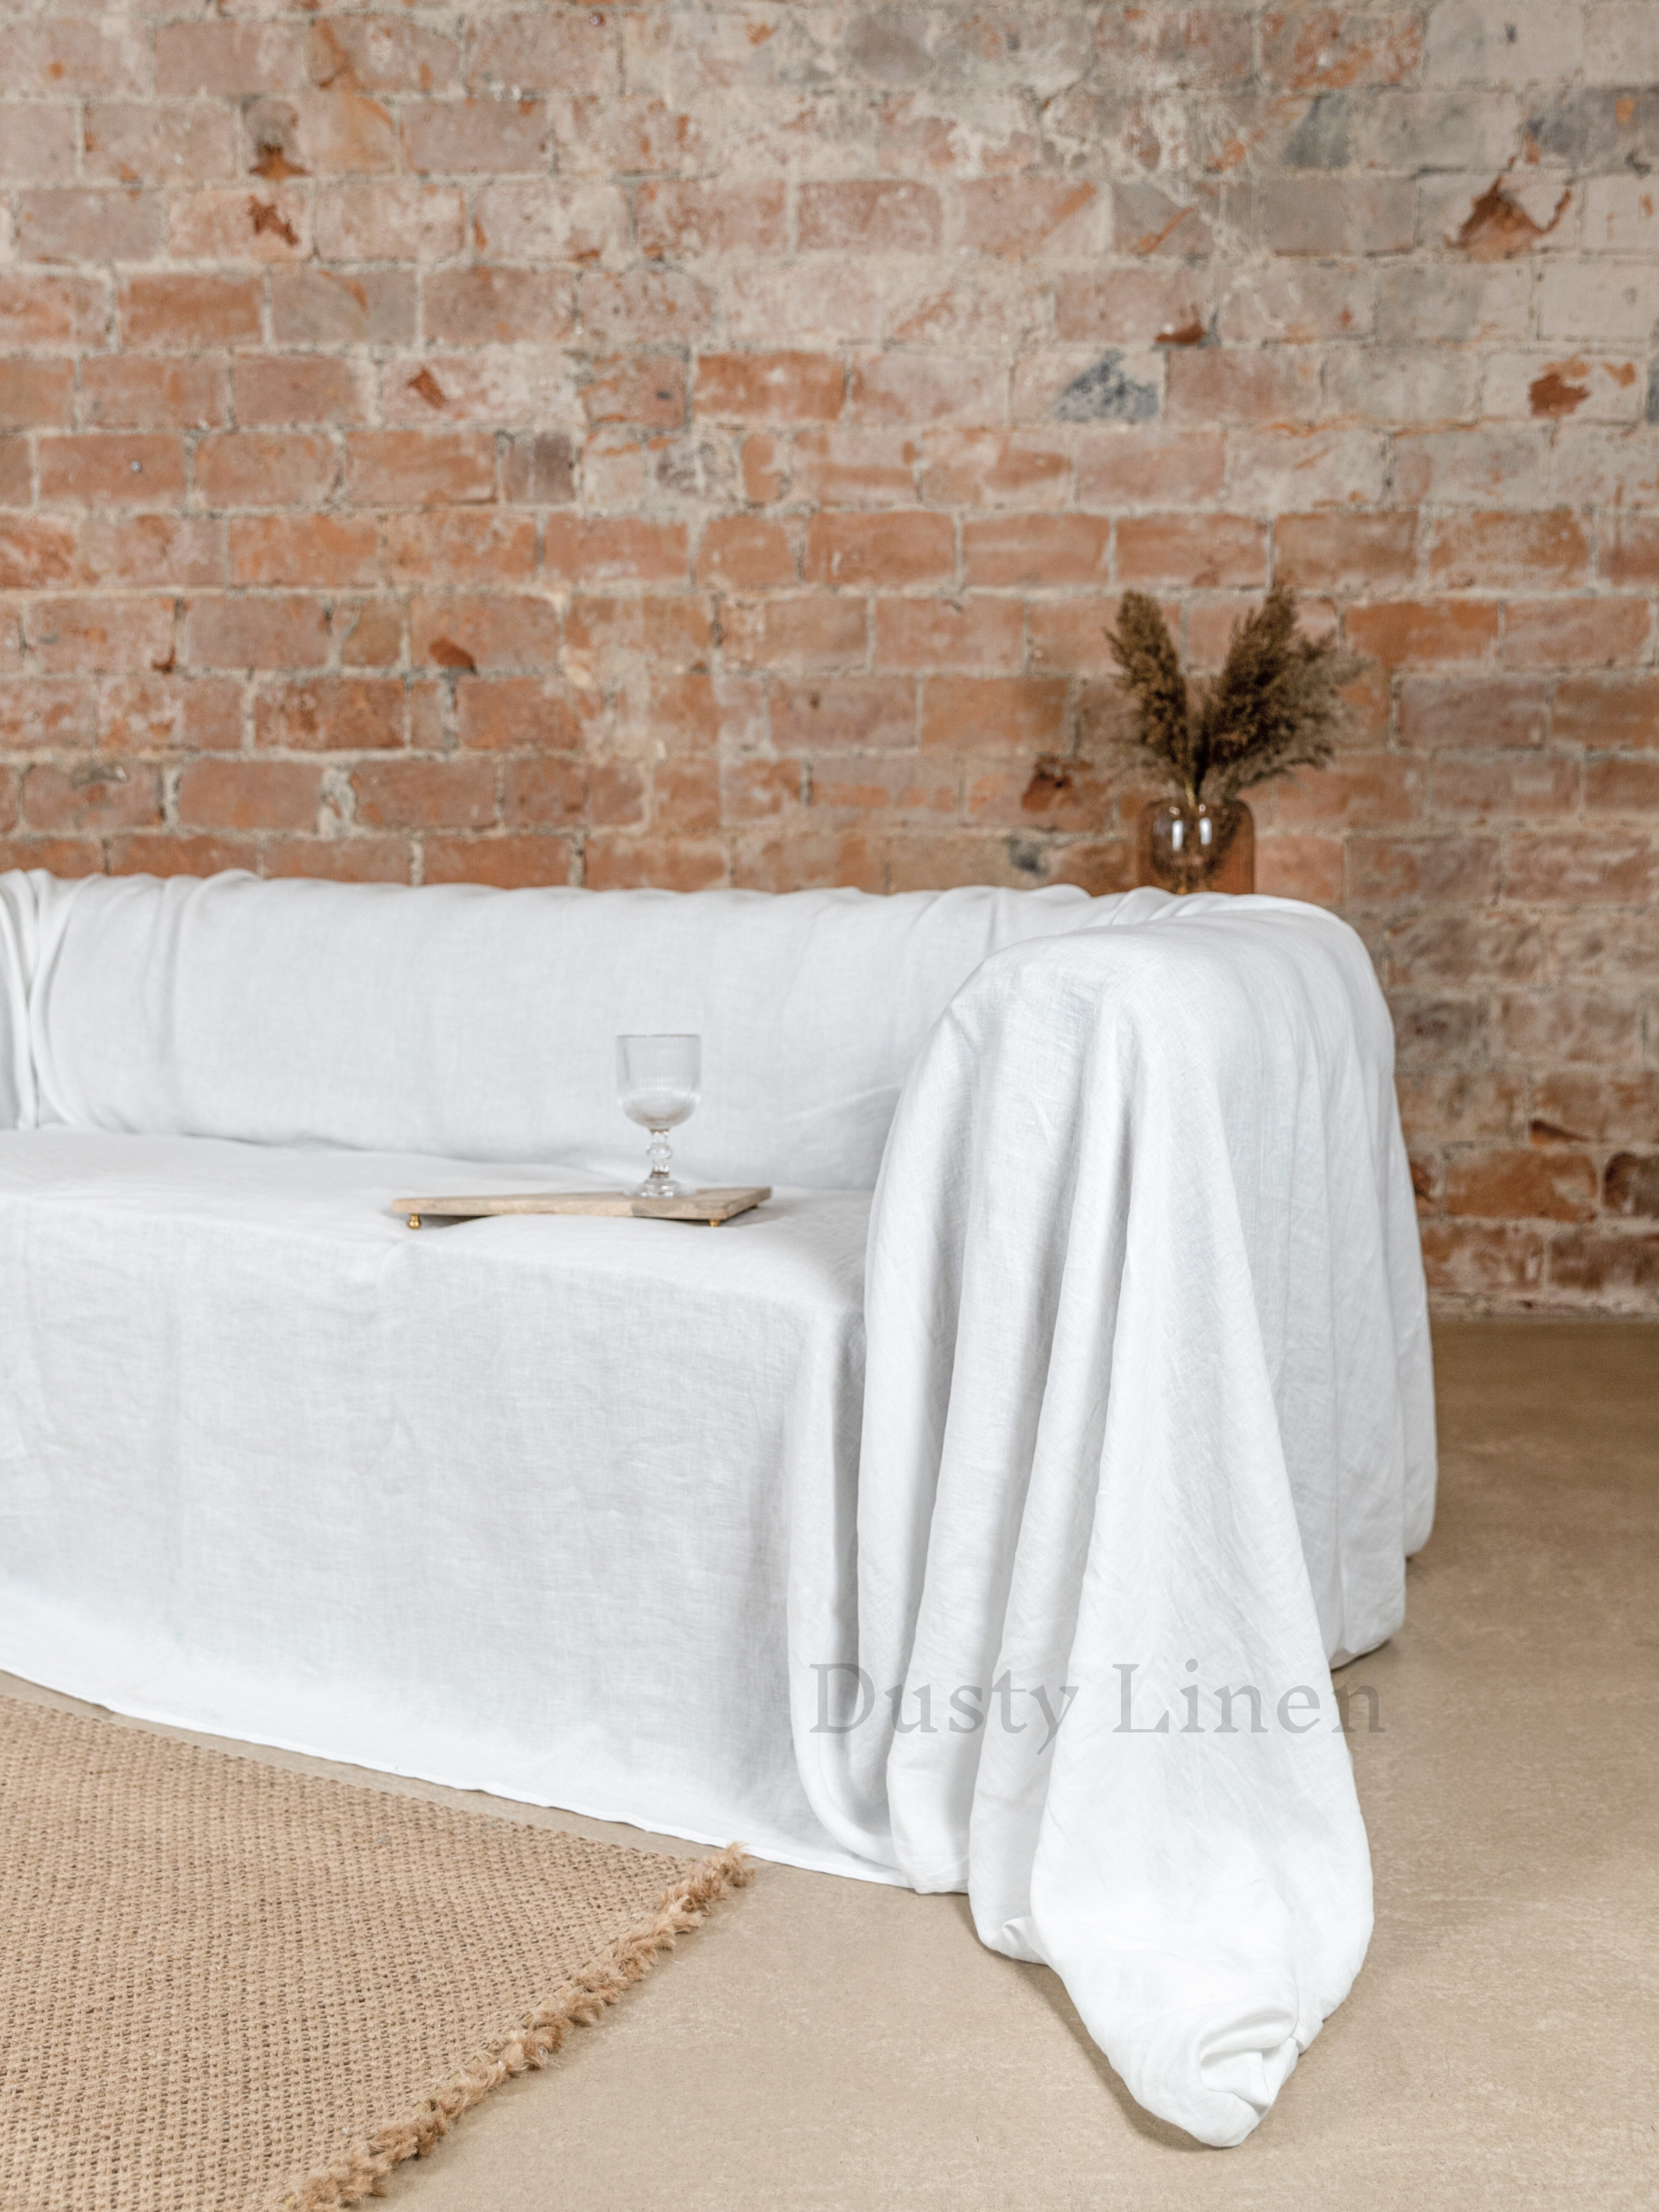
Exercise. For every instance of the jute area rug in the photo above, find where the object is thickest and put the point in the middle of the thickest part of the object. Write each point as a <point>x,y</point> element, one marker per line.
<point>224,1985</point>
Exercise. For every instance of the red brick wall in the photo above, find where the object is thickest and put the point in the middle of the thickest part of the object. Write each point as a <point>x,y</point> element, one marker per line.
<point>701,444</point>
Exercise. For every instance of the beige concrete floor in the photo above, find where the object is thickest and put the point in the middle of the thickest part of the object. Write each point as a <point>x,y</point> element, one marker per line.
<point>827,2045</point>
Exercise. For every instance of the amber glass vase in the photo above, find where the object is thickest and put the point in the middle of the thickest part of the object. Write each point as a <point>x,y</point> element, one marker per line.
<point>1183,848</point>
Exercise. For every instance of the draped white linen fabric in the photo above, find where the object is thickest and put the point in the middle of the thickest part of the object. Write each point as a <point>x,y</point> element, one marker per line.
<point>479,1024</point>
<point>1148,1408</point>
<point>588,1513</point>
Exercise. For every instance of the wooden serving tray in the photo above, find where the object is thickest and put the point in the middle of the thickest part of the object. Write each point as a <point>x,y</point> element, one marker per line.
<point>712,1206</point>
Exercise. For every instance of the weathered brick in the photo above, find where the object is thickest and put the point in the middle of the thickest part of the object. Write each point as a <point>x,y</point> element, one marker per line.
<point>498,306</point>
<point>136,392</point>
<point>186,313</point>
<point>992,715</point>
<point>993,468</point>
<point>319,133</point>
<point>900,388</point>
<point>1488,551</point>
<point>170,712</point>
<point>1630,1186</point>
<point>805,303</point>
<point>1593,1106</point>
<point>184,142</point>
<point>769,387</point>
<point>36,394</point>
<point>857,467</point>
<point>607,638</point>
<point>277,389</point>
<point>1206,552</point>
<point>1166,49</point>
<point>250,795</point>
<point>264,468</point>
<point>394,220</point>
<point>890,216</point>
<point>882,550</point>
<point>561,50</point>
<point>450,138</point>
<point>1608,867</point>
<point>1522,1185</point>
<point>107,468</point>
<point>36,552</point>
<point>1351,552</point>
<point>268,223</point>
<point>425,795</point>
<point>83,225</point>
<point>524,713</point>
<point>420,468</point>
<point>1264,385</point>
<point>817,631</point>
<point>38,144</point>
<point>616,862</point>
<point>237,59</point>
<point>338,307</point>
<point>349,714</point>
<point>1424,631</point>
<point>745,553</point>
<point>1611,713</point>
<point>677,220</point>
<point>379,53</point>
<point>322,552</point>
<point>461,545</point>
<point>470,631</point>
<point>539,471</point>
<point>96,796</point>
<point>94,636</point>
<point>1465,1259</point>
<point>859,713</point>
<point>1612,1269</point>
<point>77,54</point>
<point>1579,633</point>
<point>648,306</point>
<point>360,859</point>
<point>1025,216</point>
<point>1387,870</point>
<point>162,550</point>
<point>644,389</point>
<point>507,862</point>
<point>52,311</point>
<point>1340,216</point>
<point>1036,551</point>
<point>1517,786</point>
<point>624,549</point>
<point>1472,712</point>
<point>976,632</point>
<point>280,632</point>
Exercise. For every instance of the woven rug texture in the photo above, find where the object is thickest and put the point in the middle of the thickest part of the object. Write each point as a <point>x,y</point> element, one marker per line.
<point>226,1985</point>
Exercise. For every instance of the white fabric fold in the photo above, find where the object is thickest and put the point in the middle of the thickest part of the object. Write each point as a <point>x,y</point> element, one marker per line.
<point>1147,1407</point>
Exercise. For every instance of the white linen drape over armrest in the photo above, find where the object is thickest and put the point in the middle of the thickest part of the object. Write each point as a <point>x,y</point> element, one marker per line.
<point>1147,1390</point>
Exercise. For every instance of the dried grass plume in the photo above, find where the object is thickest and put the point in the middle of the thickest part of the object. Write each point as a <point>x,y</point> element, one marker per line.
<point>1275,707</point>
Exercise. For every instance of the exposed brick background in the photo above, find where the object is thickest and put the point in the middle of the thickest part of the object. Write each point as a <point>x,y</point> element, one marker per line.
<point>701,444</point>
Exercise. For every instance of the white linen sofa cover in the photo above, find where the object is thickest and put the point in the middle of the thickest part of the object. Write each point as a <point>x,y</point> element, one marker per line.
<point>586,1512</point>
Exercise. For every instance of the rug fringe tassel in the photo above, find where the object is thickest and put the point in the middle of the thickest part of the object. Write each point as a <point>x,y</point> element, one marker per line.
<point>363,2168</point>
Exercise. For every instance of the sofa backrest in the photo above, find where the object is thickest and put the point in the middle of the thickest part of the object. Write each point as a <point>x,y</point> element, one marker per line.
<point>479,1025</point>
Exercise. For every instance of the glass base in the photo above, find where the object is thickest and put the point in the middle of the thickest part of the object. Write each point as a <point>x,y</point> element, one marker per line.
<point>659,1187</point>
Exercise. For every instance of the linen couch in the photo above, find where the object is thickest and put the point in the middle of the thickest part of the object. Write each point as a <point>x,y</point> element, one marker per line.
<point>994,1534</point>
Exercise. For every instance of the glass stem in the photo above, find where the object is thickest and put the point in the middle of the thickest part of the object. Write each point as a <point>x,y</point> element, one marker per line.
<point>660,1152</point>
